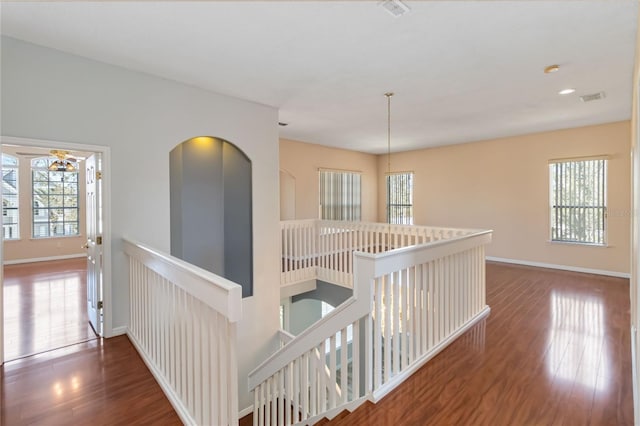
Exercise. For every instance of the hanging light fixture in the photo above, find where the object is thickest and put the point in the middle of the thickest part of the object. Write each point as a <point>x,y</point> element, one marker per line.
<point>62,164</point>
<point>388,95</point>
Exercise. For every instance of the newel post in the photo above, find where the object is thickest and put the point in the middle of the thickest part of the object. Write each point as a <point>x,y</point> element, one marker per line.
<point>363,280</point>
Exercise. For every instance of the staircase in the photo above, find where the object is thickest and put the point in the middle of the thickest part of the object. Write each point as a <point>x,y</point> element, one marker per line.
<point>415,290</point>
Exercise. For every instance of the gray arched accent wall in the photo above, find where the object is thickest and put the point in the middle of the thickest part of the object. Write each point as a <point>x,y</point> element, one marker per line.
<point>211,219</point>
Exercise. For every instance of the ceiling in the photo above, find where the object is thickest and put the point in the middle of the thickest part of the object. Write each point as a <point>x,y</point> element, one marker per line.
<point>461,71</point>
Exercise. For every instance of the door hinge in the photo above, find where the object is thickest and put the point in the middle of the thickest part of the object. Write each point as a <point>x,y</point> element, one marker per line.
<point>98,175</point>
<point>99,240</point>
<point>100,305</point>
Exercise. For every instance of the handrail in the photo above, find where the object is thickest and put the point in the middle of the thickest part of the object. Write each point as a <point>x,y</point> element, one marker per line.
<point>183,323</point>
<point>321,249</point>
<point>359,304</point>
<point>219,293</point>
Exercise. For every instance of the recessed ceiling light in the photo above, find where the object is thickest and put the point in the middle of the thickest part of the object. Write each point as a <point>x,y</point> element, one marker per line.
<point>566,91</point>
<point>551,69</point>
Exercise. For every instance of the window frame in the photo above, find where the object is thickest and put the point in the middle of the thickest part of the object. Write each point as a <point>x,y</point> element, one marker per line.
<point>601,180</point>
<point>388,183</point>
<point>41,168</point>
<point>16,170</point>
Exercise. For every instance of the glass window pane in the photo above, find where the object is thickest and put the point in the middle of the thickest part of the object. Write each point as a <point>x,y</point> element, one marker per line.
<point>40,176</point>
<point>577,201</point>
<point>55,200</point>
<point>41,188</point>
<point>70,201</point>
<point>70,188</point>
<point>70,215</point>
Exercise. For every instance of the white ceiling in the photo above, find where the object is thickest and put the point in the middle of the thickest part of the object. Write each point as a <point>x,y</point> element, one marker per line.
<point>462,71</point>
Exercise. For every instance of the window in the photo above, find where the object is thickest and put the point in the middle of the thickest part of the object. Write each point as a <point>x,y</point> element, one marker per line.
<point>55,200</point>
<point>400,198</point>
<point>578,194</point>
<point>340,195</point>
<point>10,212</point>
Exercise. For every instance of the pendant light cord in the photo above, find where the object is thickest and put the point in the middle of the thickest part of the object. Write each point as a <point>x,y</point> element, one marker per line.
<point>388,95</point>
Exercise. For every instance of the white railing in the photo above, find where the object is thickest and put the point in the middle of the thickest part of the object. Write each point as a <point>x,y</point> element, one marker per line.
<point>321,249</point>
<point>408,304</point>
<point>183,324</point>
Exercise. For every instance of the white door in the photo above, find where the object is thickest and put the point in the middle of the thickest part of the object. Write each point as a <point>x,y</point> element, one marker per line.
<point>94,241</point>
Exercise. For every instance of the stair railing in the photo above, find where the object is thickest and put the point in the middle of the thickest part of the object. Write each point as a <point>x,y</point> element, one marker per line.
<point>408,305</point>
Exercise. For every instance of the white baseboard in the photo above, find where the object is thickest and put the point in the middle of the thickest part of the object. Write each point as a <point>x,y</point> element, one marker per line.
<point>634,373</point>
<point>381,392</point>
<point>45,259</point>
<point>173,398</point>
<point>118,331</point>
<point>561,267</point>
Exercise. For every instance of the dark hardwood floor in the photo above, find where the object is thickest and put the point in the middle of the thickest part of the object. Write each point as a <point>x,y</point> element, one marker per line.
<point>45,306</point>
<point>100,382</point>
<point>554,351</point>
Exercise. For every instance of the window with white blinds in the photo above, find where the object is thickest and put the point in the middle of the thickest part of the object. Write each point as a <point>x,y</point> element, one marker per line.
<point>578,200</point>
<point>400,198</point>
<point>340,197</point>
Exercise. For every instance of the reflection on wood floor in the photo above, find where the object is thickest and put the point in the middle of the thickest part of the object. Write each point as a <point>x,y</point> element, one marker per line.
<point>45,306</point>
<point>99,382</point>
<point>554,351</point>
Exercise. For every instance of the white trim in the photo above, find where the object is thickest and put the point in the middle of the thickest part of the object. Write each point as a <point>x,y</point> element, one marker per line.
<point>181,409</point>
<point>107,288</point>
<point>561,267</point>
<point>119,331</point>
<point>44,259</point>
<point>245,412</point>
<point>397,380</point>
<point>634,373</point>
<point>300,287</point>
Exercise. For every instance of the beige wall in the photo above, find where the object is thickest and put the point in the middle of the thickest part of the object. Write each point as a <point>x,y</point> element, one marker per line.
<point>27,248</point>
<point>302,161</point>
<point>503,184</point>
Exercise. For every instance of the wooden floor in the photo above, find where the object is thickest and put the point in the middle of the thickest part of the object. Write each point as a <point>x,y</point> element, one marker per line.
<point>92,383</point>
<point>45,306</point>
<point>554,351</point>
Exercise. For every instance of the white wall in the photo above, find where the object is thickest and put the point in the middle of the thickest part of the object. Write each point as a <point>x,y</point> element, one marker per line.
<point>47,94</point>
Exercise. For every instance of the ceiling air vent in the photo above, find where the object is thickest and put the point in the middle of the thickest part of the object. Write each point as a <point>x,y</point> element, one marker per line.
<point>395,7</point>
<point>592,97</point>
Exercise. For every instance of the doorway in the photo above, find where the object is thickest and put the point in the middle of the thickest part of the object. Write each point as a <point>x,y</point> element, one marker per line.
<point>55,262</point>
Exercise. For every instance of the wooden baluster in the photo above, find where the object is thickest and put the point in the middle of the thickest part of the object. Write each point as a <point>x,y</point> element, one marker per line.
<point>396,323</point>
<point>332,369</point>
<point>304,387</point>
